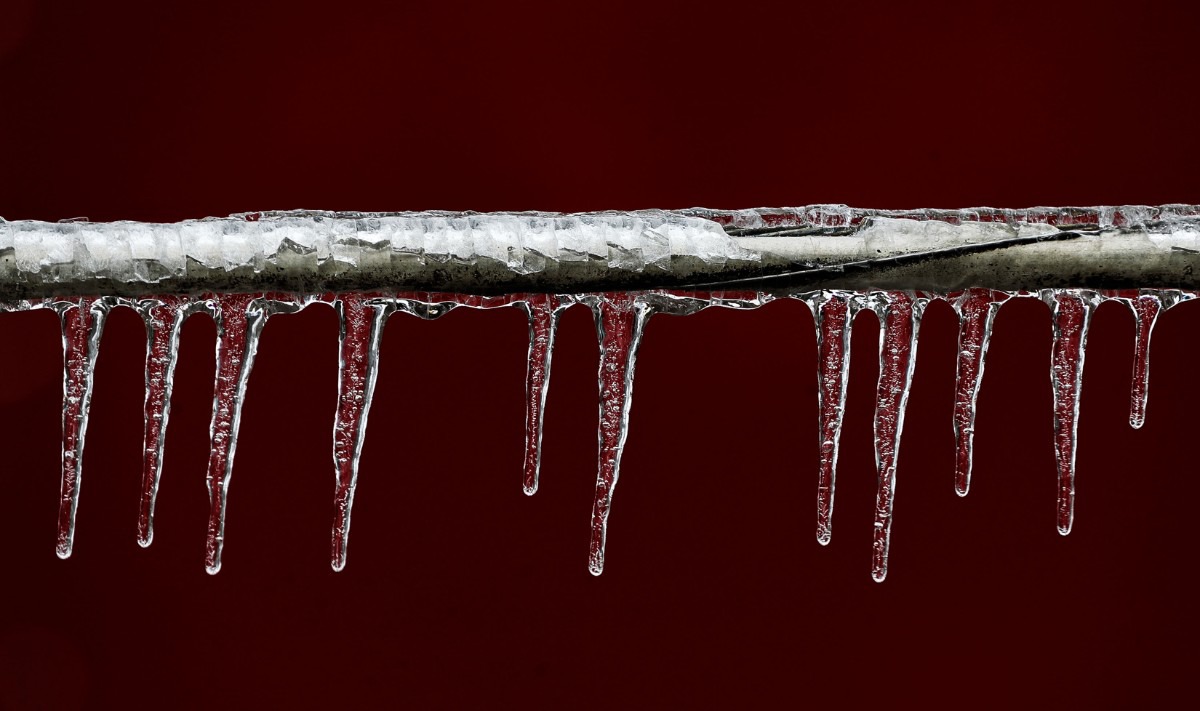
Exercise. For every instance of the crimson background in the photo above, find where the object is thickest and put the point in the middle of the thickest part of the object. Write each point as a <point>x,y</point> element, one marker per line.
<point>460,590</point>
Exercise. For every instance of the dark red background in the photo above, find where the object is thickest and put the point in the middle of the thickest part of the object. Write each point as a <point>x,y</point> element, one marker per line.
<point>460,590</point>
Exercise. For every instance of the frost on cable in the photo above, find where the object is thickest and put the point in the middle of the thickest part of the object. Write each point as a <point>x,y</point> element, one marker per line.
<point>625,268</point>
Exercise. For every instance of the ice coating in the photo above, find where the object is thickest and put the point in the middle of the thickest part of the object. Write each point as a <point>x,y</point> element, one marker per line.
<point>779,250</point>
<point>201,260</point>
<point>310,248</point>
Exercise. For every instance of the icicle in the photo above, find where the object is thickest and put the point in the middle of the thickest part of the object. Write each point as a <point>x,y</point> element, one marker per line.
<point>82,325</point>
<point>240,319</point>
<point>164,316</point>
<point>358,365</point>
<point>899,318</point>
<point>620,319</point>
<point>832,314</point>
<point>1072,312</point>
<point>1146,307</point>
<point>543,311</point>
<point>977,309</point>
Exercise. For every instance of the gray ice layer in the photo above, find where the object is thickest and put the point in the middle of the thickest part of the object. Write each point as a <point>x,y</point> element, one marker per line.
<point>829,246</point>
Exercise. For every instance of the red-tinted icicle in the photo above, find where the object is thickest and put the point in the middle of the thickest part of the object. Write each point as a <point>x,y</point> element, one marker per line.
<point>1071,312</point>
<point>620,319</point>
<point>239,323</point>
<point>899,318</point>
<point>1146,308</point>
<point>82,324</point>
<point>543,315</point>
<point>833,334</point>
<point>358,364</point>
<point>163,316</point>
<point>977,311</point>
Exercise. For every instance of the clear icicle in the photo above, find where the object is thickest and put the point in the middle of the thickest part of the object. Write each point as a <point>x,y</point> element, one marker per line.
<point>543,311</point>
<point>1146,307</point>
<point>620,320</point>
<point>900,318</point>
<point>163,315</point>
<point>240,319</point>
<point>833,317</point>
<point>82,322</point>
<point>358,365</point>
<point>1072,312</point>
<point>977,309</point>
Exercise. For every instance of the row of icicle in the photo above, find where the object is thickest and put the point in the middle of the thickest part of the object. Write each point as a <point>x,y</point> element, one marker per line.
<point>620,319</point>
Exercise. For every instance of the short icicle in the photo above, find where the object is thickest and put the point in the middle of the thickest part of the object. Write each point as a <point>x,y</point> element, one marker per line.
<point>977,310</point>
<point>620,320</point>
<point>163,315</point>
<point>900,318</point>
<point>1146,308</point>
<point>358,366</point>
<point>82,322</point>
<point>1072,311</point>
<point>833,317</point>
<point>239,323</point>
<point>543,311</point>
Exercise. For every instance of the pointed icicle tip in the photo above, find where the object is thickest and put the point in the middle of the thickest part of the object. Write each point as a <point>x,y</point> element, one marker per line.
<point>833,317</point>
<point>976,310</point>
<point>620,320</point>
<point>543,312</point>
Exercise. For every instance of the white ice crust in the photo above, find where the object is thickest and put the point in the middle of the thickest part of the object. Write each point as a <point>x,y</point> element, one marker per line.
<point>530,243</point>
<point>632,241</point>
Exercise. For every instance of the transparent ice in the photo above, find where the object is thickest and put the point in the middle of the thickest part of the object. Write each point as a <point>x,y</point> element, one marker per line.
<point>620,318</point>
<point>34,255</point>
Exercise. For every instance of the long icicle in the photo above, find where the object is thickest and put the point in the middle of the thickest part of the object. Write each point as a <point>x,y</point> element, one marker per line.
<point>1072,311</point>
<point>82,322</point>
<point>543,311</point>
<point>832,314</point>
<point>358,366</point>
<point>163,316</point>
<point>977,309</point>
<point>900,319</point>
<point>239,323</point>
<point>620,320</point>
